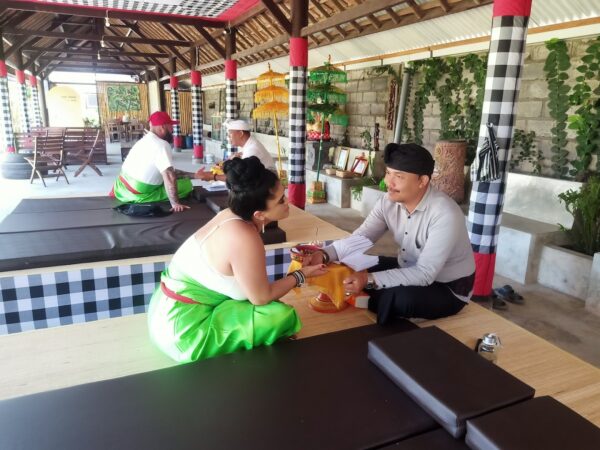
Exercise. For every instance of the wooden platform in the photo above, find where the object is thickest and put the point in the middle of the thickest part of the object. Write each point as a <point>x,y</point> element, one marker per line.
<point>70,355</point>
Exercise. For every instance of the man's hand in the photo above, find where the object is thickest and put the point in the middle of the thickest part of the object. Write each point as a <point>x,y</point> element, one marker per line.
<point>235,155</point>
<point>356,282</point>
<point>202,174</point>
<point>178,207</point>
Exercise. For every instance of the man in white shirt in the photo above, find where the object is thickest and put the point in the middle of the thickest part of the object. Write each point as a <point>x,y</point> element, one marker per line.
<point>147,174</point>
<point>239,136</point>
<point>434,272</point>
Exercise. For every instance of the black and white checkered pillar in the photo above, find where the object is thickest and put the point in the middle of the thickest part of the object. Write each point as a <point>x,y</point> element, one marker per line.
<point>5,116</point>
<point>197,115</point>
<point>23,109</point>
<point>177,140</point>
<point>297,121</point>
<point>505,66</point>
<point>231,103</point>
<point>35,102</point>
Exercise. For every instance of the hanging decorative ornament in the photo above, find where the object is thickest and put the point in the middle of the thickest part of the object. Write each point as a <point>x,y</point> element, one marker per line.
<point>324,107</point>
<point>272,98</point>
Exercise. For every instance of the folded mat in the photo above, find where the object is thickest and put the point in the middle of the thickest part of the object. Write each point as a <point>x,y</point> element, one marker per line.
<point>542,423</point>
<point>433,440</point>
<point>450,381</point>
<point>315,393</point>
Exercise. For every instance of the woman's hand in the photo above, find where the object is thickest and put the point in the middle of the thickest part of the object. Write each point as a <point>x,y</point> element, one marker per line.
<point>313,259</point>
<point>315,270</point>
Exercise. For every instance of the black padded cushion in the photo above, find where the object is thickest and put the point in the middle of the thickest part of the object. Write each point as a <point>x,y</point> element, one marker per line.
<point>433,440</point>
<point>542,423</point>
<point>315,393</point>
<point>50,232</point>
<point>200,194</point>
<point>450,381</point>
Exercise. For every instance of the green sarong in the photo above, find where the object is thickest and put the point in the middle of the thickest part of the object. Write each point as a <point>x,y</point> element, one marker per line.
<point>128,190</point>
<point>216,324</point>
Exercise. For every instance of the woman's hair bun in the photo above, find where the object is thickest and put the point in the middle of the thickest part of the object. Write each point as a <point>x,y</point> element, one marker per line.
<point>243,173</point>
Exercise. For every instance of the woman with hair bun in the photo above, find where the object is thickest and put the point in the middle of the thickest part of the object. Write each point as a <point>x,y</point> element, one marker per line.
<point>215,297</point>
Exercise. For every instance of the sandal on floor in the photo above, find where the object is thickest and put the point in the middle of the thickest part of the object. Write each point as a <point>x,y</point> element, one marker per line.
<point>507,293</point>
<point>498,303</point>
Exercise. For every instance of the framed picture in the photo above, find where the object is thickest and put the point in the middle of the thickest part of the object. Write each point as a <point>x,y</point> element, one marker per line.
<point>359,166</point>
<point>342,160</point>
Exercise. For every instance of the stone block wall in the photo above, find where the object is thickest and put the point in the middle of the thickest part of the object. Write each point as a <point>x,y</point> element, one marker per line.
<point>533,113</point>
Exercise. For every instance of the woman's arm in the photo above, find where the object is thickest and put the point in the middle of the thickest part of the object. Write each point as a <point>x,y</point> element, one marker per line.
<point>248,262</point>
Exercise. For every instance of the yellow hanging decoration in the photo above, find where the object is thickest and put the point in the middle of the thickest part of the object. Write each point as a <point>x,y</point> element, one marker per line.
<point>272,97</point>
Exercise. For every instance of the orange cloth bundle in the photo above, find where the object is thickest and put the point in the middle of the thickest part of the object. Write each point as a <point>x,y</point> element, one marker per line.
<point>330,283</point>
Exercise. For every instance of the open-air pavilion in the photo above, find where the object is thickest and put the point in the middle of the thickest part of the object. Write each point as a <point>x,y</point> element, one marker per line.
<point>78,81</point>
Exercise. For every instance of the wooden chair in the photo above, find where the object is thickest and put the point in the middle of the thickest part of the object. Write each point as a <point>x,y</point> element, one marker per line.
<point>48,155</point>
<point>137,131</point>
<point>114,132</point>
<point>93,141</point>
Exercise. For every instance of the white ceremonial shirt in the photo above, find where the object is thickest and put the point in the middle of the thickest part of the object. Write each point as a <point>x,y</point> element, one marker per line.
<point>147,159</point>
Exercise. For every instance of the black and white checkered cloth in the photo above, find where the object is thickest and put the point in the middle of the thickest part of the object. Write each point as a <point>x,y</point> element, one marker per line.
<point>197,114</point>
<point>297,96</point>
<point>505,63</point>
<point>175,111</point>
<point>35,107</point>
<point>5,116</point>
<point>196,8</point>
<point>49,299</point>
<point>25,124</point>
<point>231,107</point>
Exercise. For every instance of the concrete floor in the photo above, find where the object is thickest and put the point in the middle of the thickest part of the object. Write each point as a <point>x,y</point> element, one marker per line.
<point>555,317</point>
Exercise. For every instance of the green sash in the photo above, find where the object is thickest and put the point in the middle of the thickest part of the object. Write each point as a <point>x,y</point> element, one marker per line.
<point>129,190</point>
<point>216,324</point>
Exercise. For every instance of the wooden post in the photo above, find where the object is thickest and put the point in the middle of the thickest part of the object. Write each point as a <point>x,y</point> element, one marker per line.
<point>5,103</point>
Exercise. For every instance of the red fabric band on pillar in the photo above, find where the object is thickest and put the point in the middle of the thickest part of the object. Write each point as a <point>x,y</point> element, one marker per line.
<point>230,69</point>
<point>484,273</point>
<point>297,195</point>
<point>3,71</point>
<point>178,141</point>
<point>32,80</point>
<point>298,52</point>
<point>196,78</point>
<point>512,8</point>
<point>173,82</point>
<point>20,76</point>
<point>10,149</point>
<point>198,151</point>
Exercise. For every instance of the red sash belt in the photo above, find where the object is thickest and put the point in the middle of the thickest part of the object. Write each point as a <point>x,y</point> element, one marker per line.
<point>127,185</point>
<point>175,296</point>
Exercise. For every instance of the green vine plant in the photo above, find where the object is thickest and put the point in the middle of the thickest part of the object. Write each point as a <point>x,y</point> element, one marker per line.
<point>556,66</point>
<point>459,86</point>
<point>431,71</point>
<point>584,206</point>
<point>407,134</point>
<point>586,120</point>
<point>527,151</point>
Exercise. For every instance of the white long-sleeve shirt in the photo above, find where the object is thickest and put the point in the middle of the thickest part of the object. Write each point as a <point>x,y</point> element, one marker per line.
<point>433,241</point>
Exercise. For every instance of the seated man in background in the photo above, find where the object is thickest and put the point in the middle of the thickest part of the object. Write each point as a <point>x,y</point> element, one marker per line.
<point>147,174</point>
<point>239,136</point>
<point>434,272</point>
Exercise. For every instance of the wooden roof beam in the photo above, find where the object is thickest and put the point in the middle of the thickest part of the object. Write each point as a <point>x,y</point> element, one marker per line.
<point>96,37</point>
<point>25,5</point>
<point>211,41</point>
<point>278,15</point>
<point>415,8</point>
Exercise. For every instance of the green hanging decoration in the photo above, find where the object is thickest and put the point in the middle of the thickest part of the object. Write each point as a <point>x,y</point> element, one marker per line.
<point>325,100</point>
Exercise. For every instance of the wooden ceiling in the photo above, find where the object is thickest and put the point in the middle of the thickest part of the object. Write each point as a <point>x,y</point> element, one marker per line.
<point>48,37</point>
